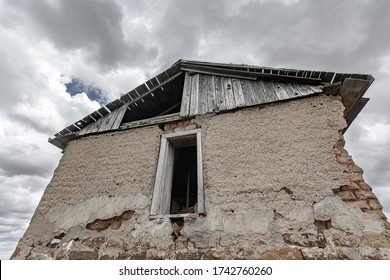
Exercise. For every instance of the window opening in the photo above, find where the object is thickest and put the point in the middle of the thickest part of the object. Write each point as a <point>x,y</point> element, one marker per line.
<point>178,187</point>
<point>184,182</point>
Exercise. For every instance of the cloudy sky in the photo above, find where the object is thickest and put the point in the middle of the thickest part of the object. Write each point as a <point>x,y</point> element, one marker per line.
<point>62,59</point>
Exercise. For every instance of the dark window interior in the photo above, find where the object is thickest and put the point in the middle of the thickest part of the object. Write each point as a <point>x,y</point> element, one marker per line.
<point>184,181</point>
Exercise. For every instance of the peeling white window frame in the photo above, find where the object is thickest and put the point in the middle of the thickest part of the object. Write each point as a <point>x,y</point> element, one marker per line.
<point>161,199</point>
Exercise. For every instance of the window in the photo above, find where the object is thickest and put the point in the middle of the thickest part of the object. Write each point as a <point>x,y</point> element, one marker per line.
<point>178,187</point>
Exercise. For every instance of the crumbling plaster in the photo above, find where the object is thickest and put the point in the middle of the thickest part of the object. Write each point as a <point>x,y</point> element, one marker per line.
<point>271,180</point>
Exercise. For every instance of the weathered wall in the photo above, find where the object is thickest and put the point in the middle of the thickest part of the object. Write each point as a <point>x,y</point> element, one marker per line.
<point>276,180</point>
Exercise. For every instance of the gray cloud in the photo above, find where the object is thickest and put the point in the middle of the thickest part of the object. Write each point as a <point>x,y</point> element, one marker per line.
<point>11,165</point>
<point>92,26</point>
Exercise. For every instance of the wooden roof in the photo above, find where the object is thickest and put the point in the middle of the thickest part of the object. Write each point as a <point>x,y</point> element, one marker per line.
<point>190,88</point>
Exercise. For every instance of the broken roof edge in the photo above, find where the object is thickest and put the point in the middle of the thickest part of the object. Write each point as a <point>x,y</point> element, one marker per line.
<point>249,72</point>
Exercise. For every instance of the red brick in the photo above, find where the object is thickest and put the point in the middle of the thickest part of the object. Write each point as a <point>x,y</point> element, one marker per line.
<point>362,204</point>
<point>361,194</point>
<point>346,195</point>
<point>374,204</point>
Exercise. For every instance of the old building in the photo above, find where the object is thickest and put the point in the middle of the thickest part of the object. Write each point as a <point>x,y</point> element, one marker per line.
<point>213,161</point>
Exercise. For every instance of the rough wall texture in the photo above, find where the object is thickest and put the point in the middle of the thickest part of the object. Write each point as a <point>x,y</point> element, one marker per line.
<point>278,185</point>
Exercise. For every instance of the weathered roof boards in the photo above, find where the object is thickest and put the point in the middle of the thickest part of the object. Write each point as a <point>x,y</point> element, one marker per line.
<point>190,88</point>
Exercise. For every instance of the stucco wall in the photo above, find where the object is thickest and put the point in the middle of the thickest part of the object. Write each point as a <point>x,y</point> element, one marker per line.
<point>271,183</point>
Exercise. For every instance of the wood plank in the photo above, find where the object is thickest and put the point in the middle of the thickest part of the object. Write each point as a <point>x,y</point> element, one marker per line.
<point>219,94</point>
<point>93,127</point>
<point>290,89</point>
<point>238,93</point>
<point>186,96</point>
<point>332,89</point>
<point>249,94</point>
<point>107,121</point>
<point>316,88</point>
<point>351,90</point>
<point>155,208</point>
<point>269,91</point>
<point>167,183</point>
<point>228,89</point>
<point>280,91</point>
<point>199,160</point>
<point>356,110</point>
<point>258,92</point>
<point>58,143</point>
<point>245,73</point>
<point>152,121</point>
<point>211,103</point>
<point>202,98</point>
<point>297,90</point>
<point>194,95</point>
<point>119,117</point>
<point>219,72</point>
<point>304,89</point>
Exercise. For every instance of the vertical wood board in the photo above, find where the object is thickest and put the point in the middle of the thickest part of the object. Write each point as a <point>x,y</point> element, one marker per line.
<point>229,97</point>
<point>238,93</point>
<point>194,95</point>
<point>219,94</point>
<point>186,96</point>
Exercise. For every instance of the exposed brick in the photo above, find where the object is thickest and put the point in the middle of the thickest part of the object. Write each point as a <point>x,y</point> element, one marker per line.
<point>362,204</point>
<point>191,126</point>
<point>187,122</point>
<point>354,168</point>
<point>179,129</point>
<point>360,194</point>
<point>376,240</point>
<point>167,126</point>
<point>374,204</point>
<point>355,177</point>
<point>113,223</point>
<point>351,187</point>
<point>344,159</point>
<point>346,195</point>
<point>364,186</point>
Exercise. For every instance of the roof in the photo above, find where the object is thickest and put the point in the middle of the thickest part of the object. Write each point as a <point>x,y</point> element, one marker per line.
<point>190,88</point>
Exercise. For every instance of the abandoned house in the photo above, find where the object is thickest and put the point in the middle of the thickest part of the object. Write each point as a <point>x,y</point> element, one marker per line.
<point>213,161</point>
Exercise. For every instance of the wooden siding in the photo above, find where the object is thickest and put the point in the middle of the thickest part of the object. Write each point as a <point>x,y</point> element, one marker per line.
<point>108,122</point>
<point>204,93</point>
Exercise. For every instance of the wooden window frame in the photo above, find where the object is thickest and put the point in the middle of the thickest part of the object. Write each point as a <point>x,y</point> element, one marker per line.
<point>162,192</point>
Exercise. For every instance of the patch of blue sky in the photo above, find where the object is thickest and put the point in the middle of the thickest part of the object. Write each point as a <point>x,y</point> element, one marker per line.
<point>76,86</point>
